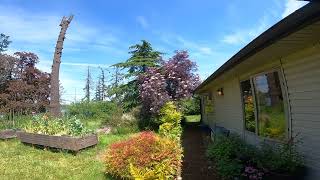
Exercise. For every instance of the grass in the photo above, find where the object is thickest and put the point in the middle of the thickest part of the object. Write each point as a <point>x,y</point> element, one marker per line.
<point>193,118</point>
<point>18,161</point>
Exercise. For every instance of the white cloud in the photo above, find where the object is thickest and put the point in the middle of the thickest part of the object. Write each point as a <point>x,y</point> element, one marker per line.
<point>177,41</point>
<point>40,31</point>
<point>142,21</point>
<point>291,6</point>
<point>45,65</point>
<point>246,35</point>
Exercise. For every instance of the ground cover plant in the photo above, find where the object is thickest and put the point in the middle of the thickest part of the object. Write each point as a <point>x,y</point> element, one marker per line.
<point>236,159</point>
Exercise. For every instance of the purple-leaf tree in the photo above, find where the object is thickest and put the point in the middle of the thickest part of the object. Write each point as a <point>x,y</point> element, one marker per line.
<point>175,79</point>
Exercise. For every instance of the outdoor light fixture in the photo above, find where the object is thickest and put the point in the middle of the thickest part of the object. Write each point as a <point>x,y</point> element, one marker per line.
<point>220,92</point>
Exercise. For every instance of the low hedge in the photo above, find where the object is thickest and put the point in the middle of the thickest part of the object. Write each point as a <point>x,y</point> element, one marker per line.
<point>144,156</point>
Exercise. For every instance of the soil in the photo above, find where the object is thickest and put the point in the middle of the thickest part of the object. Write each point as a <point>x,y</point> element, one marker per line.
<point>195,163</point>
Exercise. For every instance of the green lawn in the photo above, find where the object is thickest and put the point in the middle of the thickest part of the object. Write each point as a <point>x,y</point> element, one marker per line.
<point>18,161</point>
<point>193,118</point>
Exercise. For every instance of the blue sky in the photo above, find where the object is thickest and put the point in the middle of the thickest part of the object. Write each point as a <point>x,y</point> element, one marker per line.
<point>102,31</point>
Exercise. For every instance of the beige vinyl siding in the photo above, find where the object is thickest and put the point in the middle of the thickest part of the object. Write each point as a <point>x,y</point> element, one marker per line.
<point>208,118</point>
<point>228,108</point>
<point>302,73</point>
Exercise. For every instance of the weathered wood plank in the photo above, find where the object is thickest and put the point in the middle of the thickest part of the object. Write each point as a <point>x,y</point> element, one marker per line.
<point>59,142</point>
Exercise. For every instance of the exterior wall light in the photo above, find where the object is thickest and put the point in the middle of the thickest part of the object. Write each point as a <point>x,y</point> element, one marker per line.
<point>220,92</point>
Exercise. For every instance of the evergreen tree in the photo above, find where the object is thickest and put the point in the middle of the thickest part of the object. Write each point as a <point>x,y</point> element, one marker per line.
<point>88,87</point>
<point>102,85</point>
<point>142,57</point>
<point>4,42</point>
<point>98,91</point>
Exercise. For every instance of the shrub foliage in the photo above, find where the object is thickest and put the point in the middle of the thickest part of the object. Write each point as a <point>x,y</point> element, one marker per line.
<point>144,156</point>
<point>234,158</point>
<point>56,126</point>
<point>170,118</point>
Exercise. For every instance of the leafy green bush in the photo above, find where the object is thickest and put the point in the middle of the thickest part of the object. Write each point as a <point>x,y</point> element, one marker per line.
<point>280,158</point>
<point>170,119</point>
<point>144,156</point>
<point>225,151</point>
<point>43,124</point>
<point>190,106</point>
<point>234,158</point>
<point>104,110</point>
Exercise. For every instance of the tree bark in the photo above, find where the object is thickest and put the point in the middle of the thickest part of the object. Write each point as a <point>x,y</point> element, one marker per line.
<point>55,107</point>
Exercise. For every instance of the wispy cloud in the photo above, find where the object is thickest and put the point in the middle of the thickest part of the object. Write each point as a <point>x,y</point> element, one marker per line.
<point>142,21</point>
<point>40,31</point>
<point>45,65</point>
<point>245,35</point>
<point>291,6</point>
<point>178,42</point>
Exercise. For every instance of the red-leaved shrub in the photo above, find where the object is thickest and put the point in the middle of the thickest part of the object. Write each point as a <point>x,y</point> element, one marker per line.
<point>146,156</point>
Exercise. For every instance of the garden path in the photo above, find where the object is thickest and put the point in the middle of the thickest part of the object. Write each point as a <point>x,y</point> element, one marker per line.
<point>195,164</point>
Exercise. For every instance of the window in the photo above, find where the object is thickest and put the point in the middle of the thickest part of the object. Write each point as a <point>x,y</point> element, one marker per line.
<point>271,118</point>
<point>247,99</point>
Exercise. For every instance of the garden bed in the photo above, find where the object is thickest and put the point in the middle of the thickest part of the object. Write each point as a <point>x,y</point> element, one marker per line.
<point>8,134</point>
<point>74,144</point>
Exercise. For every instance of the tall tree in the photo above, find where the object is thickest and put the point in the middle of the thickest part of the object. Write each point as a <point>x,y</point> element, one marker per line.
<point>25,88</point>
<point>174,80</point>
<point>113,89</point>
<point>142,57</point>
<point>55,107</point>
<point>102,85</point>
<point>88,86</point>
<point>7,64</point>
<point>98,91</point>
<point>4,42</point>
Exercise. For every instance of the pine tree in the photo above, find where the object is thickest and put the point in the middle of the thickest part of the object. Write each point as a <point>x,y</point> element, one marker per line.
<point>88,85</point>
<point>102,85</point>
<point>4,42</point>
<point>142,57</point>
<point>98,91</point>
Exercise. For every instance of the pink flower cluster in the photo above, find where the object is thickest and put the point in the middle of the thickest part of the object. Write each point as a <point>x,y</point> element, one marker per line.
<point>253,173</point>
<point>173,80</point>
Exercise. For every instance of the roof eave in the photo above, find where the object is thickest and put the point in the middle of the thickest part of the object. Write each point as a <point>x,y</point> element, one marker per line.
<point>292,23</point>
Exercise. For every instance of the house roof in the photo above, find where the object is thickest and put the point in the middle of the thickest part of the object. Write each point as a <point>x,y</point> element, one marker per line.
<point>292,23</point>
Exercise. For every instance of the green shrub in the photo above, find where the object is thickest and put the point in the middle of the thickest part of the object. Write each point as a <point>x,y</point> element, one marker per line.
<point>190,106</point>
<point>43,124</point>
<point>170,130</point>
<point>234,158</point>
<point>225,152</point>
<point>280,158</point>
<point>104,110</point>
<point>170,114</point>
<point>144,156</point>
<point>170,118</point>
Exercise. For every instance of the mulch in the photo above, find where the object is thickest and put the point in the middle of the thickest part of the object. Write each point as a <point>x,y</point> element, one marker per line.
<point>195,164</point>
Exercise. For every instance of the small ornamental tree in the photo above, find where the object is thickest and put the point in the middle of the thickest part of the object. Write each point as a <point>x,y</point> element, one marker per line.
<point>174,80</point>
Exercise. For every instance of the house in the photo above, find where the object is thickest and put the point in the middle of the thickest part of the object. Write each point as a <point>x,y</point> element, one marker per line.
<point>270,89</point>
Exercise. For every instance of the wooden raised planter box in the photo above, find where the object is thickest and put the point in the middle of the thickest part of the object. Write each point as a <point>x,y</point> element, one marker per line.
<point>74,144</point>
<point>8,134</point>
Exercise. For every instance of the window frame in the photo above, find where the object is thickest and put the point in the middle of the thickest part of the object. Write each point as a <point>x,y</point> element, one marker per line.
<point>284,92</point>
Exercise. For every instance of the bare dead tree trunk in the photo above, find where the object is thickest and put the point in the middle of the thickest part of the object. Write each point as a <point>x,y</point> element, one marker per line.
<point>55,106</point>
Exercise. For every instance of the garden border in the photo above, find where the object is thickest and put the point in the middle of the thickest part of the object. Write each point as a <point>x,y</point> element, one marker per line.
<point>74,144</point>
<point>8,134</point>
